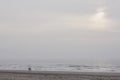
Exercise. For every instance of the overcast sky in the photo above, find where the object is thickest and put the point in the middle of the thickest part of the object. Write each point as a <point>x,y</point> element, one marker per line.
<point>76,30</point>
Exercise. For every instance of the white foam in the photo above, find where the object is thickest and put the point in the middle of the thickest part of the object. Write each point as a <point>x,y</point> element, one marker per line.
<point>60,67</point>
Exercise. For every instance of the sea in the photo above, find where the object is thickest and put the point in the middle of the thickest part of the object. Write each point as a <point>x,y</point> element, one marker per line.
<point>60,67</point>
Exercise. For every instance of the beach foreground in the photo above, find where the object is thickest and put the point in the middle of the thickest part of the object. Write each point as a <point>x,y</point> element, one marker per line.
<point>56,75</point>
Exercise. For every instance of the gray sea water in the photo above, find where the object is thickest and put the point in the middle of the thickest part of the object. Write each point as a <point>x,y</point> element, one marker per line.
<point>60,67</point>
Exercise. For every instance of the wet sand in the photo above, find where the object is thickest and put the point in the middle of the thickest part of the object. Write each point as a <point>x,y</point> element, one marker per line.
<point>56,75</point>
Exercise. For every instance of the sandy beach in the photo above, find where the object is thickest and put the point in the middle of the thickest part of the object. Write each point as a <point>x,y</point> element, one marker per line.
<point>56,75</point>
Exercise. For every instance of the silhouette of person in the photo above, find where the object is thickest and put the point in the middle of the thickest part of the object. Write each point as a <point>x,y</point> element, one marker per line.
<point>29,69</point>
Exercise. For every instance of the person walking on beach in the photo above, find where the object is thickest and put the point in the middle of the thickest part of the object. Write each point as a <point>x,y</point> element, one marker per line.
<point>29,69</point>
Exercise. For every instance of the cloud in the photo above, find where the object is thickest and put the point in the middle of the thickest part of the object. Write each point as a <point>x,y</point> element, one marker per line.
<point>51,15</point>
<point>59,28</point>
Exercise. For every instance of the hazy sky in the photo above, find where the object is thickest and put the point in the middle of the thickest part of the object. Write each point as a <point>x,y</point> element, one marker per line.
<point>76,30</point>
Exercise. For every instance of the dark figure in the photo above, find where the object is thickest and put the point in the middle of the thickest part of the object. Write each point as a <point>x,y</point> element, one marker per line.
<point>29,69</point>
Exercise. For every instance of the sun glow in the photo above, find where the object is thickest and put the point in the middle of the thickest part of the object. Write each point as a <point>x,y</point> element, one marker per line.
<point>99,20</point>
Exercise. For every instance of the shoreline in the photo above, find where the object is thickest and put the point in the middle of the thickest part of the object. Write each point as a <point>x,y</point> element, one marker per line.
<point>60,72</point>
<point>56,75</point>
